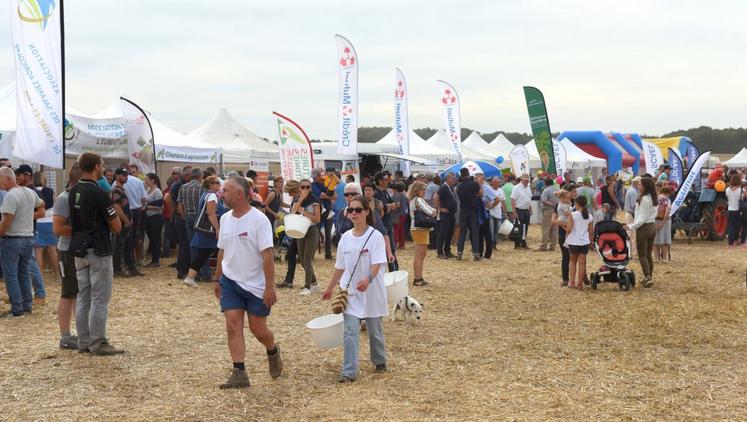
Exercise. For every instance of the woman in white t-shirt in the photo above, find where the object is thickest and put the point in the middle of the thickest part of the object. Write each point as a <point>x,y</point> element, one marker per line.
<point>360,255</point>
<point>579,238</point>
<point>733,194</point>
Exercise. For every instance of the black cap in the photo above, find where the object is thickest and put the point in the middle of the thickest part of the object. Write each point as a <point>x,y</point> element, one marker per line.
<point>121,172</point>
<point>24,169</point>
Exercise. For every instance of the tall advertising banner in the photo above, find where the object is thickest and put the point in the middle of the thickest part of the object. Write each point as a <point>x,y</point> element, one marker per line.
<point>296,154</point>
<point>561,157</point>
<point>653,157</point>
<point>540,128</point>
<point>519,160</point>
<point>691,155</point>
<point>401,119</point>
<point>347,97</point>
<point>140,147</point>
<point>37,46</point>
<point>675,162</point>
<point>692,174</point>
<point>450,112</point>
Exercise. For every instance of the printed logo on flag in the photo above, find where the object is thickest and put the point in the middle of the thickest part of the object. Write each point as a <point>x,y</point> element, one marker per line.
<point>347,110</point>
<point>448,97</point>
<point>399,92</point>
<point>36,11</point>
<point>348,58</point>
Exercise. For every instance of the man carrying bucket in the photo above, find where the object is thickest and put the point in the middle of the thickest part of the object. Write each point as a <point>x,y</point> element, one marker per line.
<point>244,279</point>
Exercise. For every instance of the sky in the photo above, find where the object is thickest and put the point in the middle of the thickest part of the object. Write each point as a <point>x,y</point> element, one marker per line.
<point>634,66</point>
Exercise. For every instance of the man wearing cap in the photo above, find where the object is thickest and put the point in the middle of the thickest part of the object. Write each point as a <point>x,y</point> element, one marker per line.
<point>20,206</point>
<point>548,202</point>
<point>24,177</point>
<point>521,202</point>
<point>631,197</point>
<point>123,241</point>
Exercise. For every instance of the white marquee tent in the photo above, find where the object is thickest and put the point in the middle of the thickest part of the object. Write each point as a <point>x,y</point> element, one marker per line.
<point>577,158</point>
<point>239,144</point>
<point>502,145</point>
<point>739,160</point>
<point>441,140</point>
<point>420,148</point>
<point>474,141</point>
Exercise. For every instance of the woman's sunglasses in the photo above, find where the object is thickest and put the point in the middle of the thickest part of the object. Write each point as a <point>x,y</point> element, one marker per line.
<point>305,187</point>
<point>350,194</point>
<point>356,210</point>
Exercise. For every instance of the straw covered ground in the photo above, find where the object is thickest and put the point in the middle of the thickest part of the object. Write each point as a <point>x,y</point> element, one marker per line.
<point>500,340</point>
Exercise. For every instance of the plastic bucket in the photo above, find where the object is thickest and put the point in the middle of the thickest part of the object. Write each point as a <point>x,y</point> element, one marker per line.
<point>506,228</point>
<point>326,331</point>
<point>296,225</point>
<point>396,285</point>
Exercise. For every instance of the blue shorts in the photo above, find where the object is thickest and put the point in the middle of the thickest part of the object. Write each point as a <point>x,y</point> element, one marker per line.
<point>44,236</point>
<point>232,296</point>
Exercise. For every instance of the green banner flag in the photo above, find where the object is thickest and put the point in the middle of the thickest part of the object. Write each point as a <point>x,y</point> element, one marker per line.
<point>540,127</point>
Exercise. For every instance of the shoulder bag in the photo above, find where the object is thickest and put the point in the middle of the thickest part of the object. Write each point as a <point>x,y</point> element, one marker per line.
<point>340,302</point>
<point>423,220</point>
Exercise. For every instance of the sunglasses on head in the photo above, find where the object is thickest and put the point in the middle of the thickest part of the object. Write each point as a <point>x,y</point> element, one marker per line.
<point>350,194</point>
<point>305,187</point>
<point>356,210</point>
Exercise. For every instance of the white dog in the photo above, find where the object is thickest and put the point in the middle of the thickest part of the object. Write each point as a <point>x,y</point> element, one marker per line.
<point>409,307</point>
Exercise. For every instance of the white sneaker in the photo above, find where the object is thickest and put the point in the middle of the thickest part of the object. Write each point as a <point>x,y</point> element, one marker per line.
<point>305,292</point>
<point>314,287</point>
<point>190,282</point>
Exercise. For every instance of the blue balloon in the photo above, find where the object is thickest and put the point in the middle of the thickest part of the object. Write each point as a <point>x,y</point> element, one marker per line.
<point>499,159</point>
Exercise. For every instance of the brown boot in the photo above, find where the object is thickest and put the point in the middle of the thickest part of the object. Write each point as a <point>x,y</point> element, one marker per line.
<point>106,349</point>
<point>238,379</point>
<point>275,362</point>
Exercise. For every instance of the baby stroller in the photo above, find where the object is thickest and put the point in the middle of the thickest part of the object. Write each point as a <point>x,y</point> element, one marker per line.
<point>613,245</point>
<point>283,242</point>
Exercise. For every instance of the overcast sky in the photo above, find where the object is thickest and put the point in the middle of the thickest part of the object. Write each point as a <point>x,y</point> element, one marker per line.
<point>632,66</point>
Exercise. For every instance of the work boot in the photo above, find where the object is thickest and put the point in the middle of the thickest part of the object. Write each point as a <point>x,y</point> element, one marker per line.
<point>238,379</point>
<point>275,362</point>
<point>106,349</point>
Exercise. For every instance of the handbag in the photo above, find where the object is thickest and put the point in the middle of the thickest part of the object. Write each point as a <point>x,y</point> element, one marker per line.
<point>340,302</point>
<point>202,223</point>
<point>515,232</point>
<point>423,220</point>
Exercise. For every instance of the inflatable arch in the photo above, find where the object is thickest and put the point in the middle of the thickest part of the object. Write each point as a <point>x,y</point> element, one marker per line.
<point>607,147</point>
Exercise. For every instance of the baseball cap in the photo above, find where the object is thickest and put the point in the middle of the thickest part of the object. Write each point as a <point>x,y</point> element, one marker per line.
<point>24,169</point>
<point>121,172</point>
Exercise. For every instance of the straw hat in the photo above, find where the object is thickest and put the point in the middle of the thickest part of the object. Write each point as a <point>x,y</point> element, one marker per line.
<point>525,176</point>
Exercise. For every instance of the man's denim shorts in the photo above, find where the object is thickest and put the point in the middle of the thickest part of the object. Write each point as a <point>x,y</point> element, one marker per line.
<point>232,296</point>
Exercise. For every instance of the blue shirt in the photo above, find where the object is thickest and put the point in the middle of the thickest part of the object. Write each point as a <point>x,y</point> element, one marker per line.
<point>340,201</point>
<point>104,184</point>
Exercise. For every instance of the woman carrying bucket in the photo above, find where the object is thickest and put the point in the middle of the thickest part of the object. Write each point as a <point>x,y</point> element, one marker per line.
<point>360,255</point>
<point>307,205</point>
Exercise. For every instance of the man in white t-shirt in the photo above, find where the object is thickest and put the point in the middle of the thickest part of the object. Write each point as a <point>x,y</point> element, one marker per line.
<point>496,200</point>
<point>244,279</point>
<point>521,202</point>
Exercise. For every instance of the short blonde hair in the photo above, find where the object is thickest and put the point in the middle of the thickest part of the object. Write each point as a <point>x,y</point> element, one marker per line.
<point>292,186</point>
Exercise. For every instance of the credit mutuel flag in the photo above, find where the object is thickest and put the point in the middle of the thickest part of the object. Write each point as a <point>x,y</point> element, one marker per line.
<point>401,119</point>
<point>38,52</point>
<point>140,147</point>
<point>450,112</point>
<point>347,97</point>
<point>296,154</point>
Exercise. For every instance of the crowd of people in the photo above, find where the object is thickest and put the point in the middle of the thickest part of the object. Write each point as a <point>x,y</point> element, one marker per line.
<point>109,221</point>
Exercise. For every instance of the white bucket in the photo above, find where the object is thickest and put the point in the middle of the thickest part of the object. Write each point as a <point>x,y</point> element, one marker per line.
<point>506,227</point>
<point>396,286</point>
<point>296,225</point>
<point>326,331</point>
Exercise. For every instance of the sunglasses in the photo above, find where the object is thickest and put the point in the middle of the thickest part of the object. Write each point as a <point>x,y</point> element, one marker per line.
<point>215,183</point>
<point>305,187</point>
<point>350,194</point>
<point>356,210</point>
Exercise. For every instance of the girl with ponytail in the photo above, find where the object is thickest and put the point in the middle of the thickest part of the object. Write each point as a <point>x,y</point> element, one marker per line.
<point>578,241</point>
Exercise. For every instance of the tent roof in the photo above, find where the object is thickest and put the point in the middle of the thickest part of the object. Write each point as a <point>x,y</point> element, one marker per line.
<point>225,131</point>
<point>441,140</point>
<point>502,145</point>
<point>475,142</point>
<point>739,160</point>
<point>418,146</point>
<point>577,158</point>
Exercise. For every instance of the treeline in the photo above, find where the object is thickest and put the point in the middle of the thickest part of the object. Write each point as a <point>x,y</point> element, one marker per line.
<point>723,141</point>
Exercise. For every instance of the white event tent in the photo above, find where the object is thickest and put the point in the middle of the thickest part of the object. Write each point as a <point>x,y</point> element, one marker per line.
<point>441,140</point>
<point>474,141</point>
<point>502,145</point>
<point>577,158</point>
<point>739,160</point>
<point>239,144</point>
<point>420,148</point>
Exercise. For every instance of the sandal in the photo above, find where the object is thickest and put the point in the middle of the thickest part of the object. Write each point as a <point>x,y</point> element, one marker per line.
<point>419,282</point>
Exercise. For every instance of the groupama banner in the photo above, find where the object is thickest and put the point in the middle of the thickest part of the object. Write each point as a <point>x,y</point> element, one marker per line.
<point>37,47</point>
<point>401,119</point>
<point>450,113</point>
<point>296,154</point>
<point>347,97</point>
<point>540,128</point>
<point>140,147</point>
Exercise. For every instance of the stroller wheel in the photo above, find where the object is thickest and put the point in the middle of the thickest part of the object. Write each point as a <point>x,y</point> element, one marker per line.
<point>593,280</point>
<point>632,278</point>
<point>624,281</point>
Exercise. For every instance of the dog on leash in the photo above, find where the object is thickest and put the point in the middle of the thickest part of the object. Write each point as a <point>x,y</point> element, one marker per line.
<point>409,307</point>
